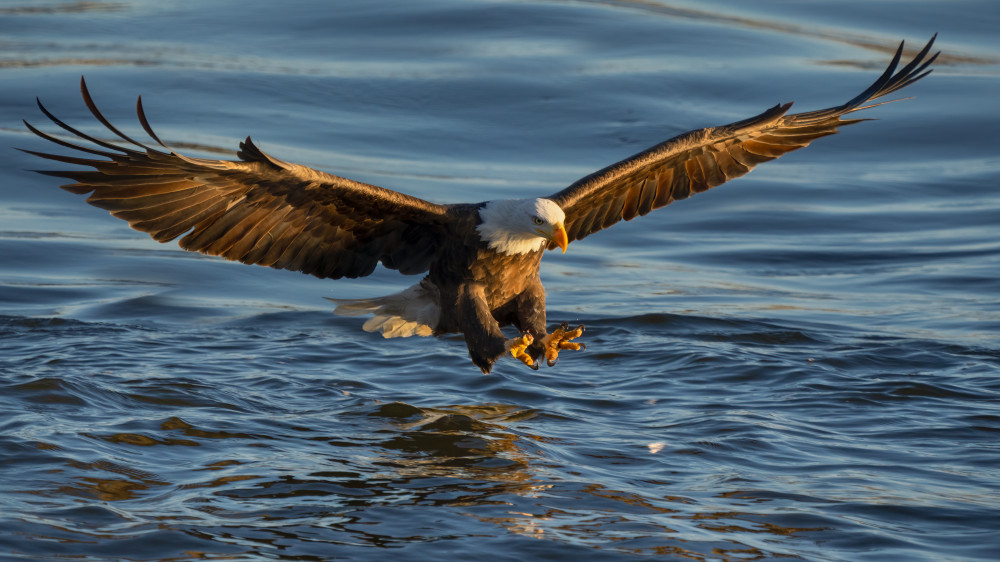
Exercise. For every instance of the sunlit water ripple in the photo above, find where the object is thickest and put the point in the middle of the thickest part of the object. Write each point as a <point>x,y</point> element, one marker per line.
<point>801,364</point>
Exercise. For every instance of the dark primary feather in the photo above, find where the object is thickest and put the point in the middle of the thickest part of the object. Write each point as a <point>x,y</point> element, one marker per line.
<point>258,210</point>
<point>699,160</point>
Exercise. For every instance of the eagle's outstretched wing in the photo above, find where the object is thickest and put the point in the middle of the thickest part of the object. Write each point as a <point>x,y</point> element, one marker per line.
<point>698,160</point>
<point>257,210</point>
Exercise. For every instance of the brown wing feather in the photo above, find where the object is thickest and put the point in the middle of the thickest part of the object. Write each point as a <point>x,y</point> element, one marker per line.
<point>702,159</point>
<point>257,210</point>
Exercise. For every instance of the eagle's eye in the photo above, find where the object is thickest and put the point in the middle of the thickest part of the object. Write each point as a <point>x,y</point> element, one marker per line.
<point>537,221</point>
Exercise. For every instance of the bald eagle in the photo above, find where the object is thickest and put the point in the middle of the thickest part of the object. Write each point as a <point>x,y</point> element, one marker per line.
<point>481,260</point>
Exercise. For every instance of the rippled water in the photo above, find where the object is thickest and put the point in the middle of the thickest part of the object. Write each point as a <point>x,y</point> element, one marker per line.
<point>804,363</point>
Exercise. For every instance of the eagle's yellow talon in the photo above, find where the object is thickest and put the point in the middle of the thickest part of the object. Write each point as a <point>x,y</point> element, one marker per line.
<point>517,347</point>
<point>559,339</point>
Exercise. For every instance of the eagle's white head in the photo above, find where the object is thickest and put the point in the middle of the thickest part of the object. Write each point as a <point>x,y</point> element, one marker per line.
<point>519,226</point>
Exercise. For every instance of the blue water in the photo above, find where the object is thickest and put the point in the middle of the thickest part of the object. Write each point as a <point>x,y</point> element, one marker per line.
<point>803,363</point>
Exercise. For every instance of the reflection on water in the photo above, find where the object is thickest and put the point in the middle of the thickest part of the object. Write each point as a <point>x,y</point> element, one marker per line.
<point>767,444</point>
<point>363,483</point>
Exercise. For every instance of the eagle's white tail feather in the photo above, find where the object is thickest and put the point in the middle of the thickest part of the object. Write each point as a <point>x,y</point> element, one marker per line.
<point>411,312</point>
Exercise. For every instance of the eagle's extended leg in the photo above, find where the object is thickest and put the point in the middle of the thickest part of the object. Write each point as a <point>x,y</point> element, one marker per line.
<point>531,319</point>
<point>483,336</point>
<point>558,340</point>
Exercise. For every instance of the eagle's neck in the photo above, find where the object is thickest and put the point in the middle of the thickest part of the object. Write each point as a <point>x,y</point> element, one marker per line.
<point>503,230</point>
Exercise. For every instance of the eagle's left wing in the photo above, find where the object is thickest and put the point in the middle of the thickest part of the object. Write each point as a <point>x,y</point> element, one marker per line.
<point>699,160</point>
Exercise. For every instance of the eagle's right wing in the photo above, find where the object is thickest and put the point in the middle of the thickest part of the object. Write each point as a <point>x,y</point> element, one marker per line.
<point>256,210</point>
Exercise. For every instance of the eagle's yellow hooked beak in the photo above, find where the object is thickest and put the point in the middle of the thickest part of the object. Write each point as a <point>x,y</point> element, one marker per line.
<point>559,237</point>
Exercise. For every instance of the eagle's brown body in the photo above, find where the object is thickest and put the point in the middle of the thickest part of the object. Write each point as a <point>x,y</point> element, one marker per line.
<point>481,260</point>
<point>505,289</point>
